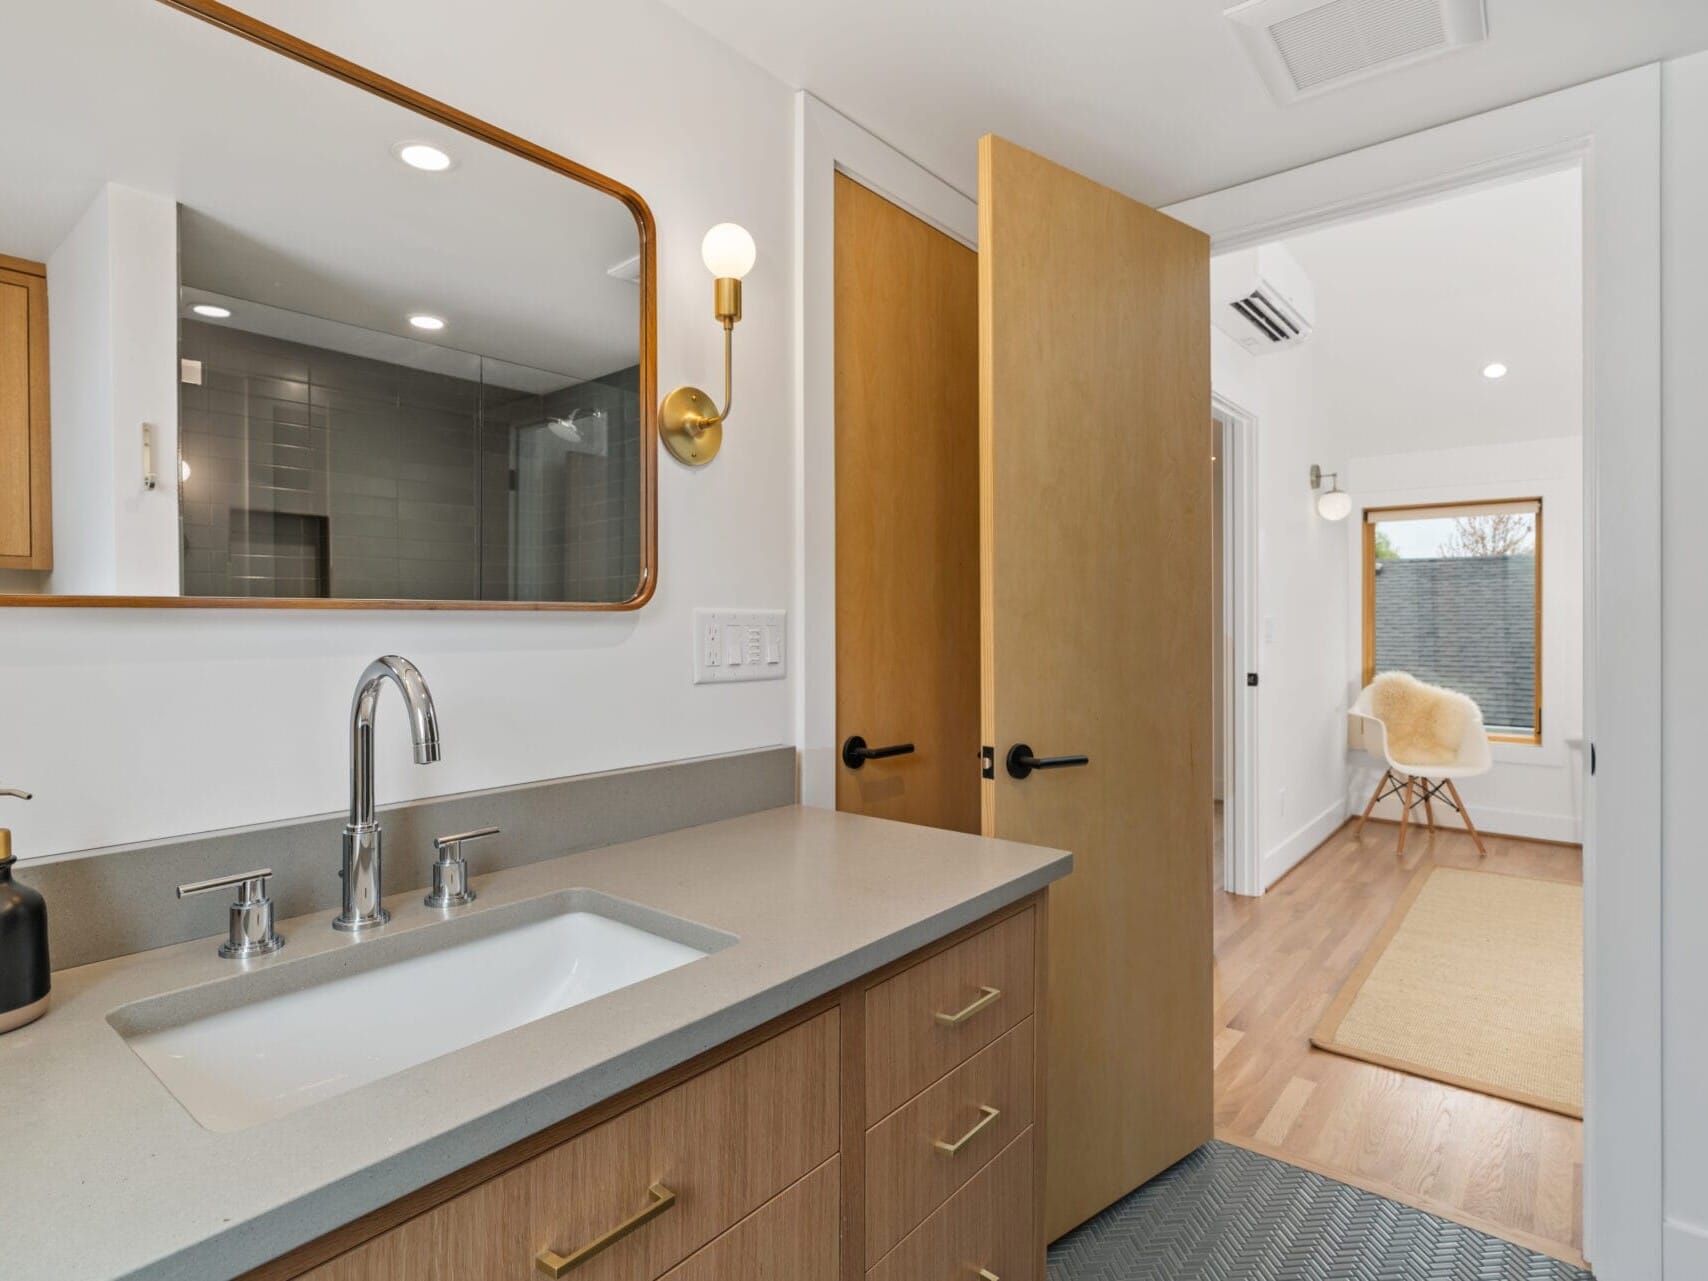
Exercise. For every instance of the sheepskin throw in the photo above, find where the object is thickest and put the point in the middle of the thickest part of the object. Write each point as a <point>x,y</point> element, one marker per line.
<point>1425,723</point>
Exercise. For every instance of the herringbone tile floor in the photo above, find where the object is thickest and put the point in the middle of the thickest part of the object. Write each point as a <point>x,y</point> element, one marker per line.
<point>1226,1214</point>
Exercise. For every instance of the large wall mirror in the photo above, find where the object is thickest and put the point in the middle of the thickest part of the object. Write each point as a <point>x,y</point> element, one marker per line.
<point>276,331</point>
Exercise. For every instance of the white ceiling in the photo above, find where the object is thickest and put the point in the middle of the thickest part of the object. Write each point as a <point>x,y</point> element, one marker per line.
<point>1155,97</point>
<point>292,196</point>
<point>1412,304</point>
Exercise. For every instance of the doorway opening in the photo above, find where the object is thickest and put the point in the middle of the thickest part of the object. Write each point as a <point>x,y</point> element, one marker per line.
<point>1400,968</point>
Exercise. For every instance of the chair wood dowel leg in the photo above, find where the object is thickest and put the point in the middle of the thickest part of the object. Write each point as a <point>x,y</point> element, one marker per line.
<point>1428,805</point>
<point>1465,814</point>
<point>1374,793</point>
<point>1405,814</point>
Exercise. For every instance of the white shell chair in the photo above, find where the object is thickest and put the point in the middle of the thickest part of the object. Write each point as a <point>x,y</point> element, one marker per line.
<point>1419,784</point>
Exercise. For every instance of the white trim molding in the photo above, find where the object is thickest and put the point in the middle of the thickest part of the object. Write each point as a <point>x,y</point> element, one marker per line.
<point>1612,128</point>
<point>1244,872</point>
<point>828,143</point>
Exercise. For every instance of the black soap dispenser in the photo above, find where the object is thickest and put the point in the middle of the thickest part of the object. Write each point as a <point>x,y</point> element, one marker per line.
<point>24,975</point>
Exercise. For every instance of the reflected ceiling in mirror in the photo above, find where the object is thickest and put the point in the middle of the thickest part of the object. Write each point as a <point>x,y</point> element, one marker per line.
<point>388,354</point>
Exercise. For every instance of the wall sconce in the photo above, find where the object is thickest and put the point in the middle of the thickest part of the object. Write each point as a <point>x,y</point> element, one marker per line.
<point>1334,503</point>
<point>689,422</point>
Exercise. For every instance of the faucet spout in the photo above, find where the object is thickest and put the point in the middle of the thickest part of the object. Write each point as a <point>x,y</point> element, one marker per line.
<point>361,856</point>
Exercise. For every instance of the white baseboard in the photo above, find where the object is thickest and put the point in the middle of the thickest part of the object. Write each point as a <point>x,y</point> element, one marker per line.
<point>1503,822</point>
<point>1685,1251</point>
<point>1277,862</point>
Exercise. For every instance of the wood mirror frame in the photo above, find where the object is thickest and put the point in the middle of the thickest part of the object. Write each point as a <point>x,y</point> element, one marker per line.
<point>281,42</point>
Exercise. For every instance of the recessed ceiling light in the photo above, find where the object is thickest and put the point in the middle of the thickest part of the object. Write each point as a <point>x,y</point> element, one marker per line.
<point>424,156</point>
<point>430,323</point>
<point>212,312</point>
<point>1494,370</point>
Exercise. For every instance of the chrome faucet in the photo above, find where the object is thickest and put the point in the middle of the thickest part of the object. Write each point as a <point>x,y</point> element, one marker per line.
<point>362,892</point>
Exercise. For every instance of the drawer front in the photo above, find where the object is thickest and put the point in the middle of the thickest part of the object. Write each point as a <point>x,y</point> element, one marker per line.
<point>792,1237</point>
<point>941,1012</point>
<point>990,1224</point>
<point>724,1143</point>
<point>977,1110</point>
<point>716,1147</point>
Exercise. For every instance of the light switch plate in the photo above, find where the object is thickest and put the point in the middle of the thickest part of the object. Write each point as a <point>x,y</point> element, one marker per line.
<point>740,645</point>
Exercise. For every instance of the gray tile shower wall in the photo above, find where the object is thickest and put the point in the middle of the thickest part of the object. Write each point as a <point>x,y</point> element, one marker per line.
<point>318,473</point>
<point>106,903</point>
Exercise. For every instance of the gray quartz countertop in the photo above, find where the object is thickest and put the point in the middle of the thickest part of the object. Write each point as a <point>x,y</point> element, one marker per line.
<point>103,1174</point>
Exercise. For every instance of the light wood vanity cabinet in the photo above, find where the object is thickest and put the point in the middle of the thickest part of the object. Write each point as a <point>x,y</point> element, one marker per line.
<point>26,487</point>
<point>765,1159</point>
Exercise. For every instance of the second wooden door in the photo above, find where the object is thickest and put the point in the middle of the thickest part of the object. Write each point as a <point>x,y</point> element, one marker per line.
<point>907,568</point>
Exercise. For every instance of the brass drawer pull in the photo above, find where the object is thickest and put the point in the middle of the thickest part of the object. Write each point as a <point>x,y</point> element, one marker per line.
<point>951,1149</point>
<point>553,1264</point>
<point>987,996</point>
<point>985,1274</point>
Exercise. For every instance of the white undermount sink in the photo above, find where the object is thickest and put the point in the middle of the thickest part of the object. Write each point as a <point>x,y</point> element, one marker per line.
<point>239,1066</point>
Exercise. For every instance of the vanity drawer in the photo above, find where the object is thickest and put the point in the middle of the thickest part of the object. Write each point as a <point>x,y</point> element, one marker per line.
<point>792,1237</point>
<point>940,1012</point>
<point>977,1110</point>
<point>690,1163</point>
<point>990,1224</point>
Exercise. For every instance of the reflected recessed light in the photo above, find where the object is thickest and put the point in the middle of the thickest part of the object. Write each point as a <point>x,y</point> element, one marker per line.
<point>1494,370</point>
<point>424,321</point>
<point>421,155</point>
<point>212,312</point>
<point>184,469</point>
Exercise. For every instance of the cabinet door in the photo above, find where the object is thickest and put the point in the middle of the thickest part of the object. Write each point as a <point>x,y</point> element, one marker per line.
<point>25,518</point>
<point>717,1148</point>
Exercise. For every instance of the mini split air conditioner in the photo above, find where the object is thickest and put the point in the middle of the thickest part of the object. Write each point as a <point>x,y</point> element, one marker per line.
<point>1262,299</point>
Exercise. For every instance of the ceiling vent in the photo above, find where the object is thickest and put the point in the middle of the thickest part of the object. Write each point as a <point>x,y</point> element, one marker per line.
<point>1306,47</point>
<point>1262,299</point>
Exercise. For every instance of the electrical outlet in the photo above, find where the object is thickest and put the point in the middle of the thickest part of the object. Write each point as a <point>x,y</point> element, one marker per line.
<point>739,645</point>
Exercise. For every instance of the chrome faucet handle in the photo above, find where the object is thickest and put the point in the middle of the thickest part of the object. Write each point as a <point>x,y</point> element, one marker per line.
<point>451,872</point>
<point>252,932</point>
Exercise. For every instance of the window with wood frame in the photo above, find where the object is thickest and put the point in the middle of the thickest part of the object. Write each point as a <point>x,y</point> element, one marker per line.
<point>1453,595</point>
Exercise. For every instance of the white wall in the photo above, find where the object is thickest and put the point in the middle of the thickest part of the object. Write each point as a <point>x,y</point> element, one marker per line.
<point>80,375</point>
<point>143,253</point>
<point>1684,584</point>
<point>132,724</point>
<point>1534,789</point>
<point>112,359</point>
<point>1301,575</point>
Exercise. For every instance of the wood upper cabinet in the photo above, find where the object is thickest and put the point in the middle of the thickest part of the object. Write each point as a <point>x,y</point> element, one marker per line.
<point>26,506</point>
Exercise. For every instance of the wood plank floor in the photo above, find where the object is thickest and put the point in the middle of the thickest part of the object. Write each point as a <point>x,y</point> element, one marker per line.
<point>1511,1170</point>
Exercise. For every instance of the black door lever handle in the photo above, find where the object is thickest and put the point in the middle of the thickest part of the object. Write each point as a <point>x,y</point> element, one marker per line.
<point>1021,762</point>
<point>855,753</point>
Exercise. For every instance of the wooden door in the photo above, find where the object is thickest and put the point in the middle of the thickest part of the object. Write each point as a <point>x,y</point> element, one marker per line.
<point>1094,333</point>
<point>907,567</point>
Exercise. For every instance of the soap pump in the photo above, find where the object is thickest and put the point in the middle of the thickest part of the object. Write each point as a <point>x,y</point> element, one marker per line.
<point>24,975</point>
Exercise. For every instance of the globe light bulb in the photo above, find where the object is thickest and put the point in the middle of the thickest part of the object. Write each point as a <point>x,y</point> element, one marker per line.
<point>728,251</point>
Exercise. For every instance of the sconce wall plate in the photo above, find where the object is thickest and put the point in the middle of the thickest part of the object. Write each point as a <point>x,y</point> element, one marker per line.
<point>690,426</point>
